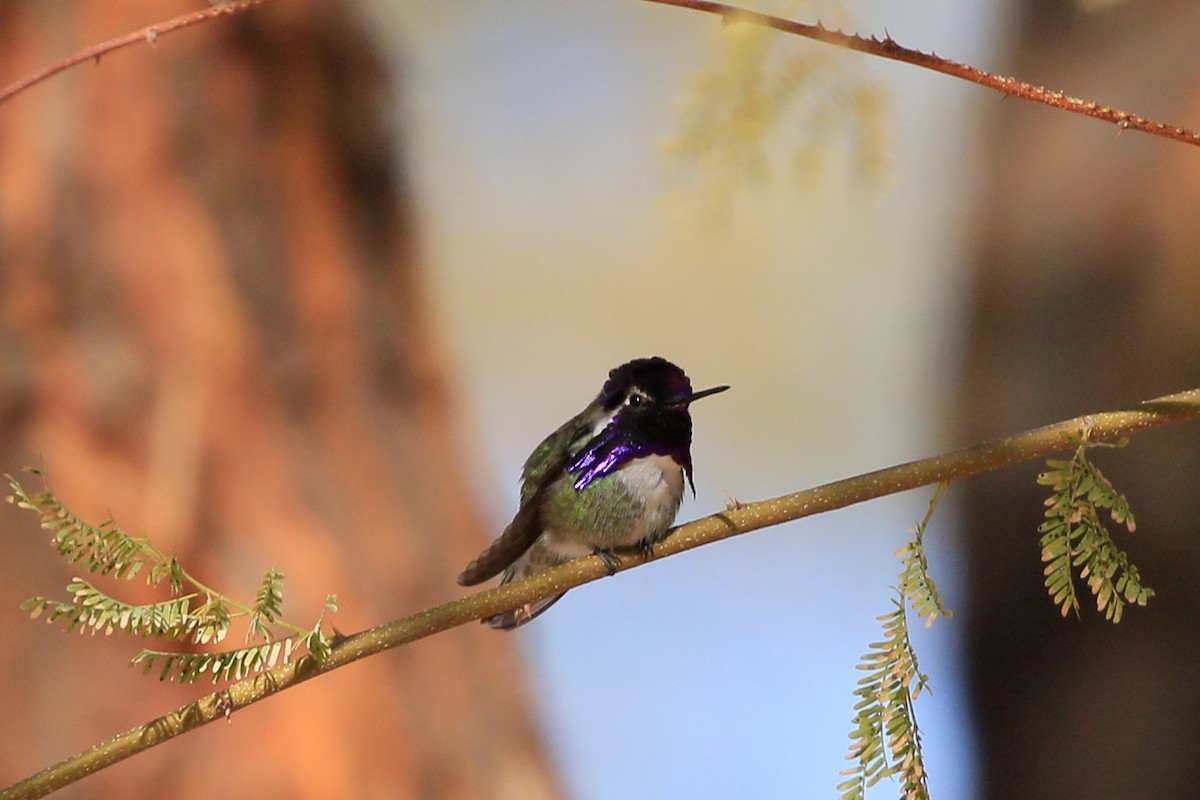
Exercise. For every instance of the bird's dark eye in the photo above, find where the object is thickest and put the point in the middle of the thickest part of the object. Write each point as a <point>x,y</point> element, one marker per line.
<point>634,400</point>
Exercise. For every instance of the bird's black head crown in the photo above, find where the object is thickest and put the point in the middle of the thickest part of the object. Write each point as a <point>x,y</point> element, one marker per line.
<point>648,401</point>
<point>657,378</point>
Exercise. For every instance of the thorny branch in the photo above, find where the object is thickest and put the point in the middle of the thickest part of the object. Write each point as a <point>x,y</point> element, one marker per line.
<point>889,48</point>
<point>149,34</point>
<point>884,48</point>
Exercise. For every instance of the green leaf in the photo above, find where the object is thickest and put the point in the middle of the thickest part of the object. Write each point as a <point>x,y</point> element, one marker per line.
<point>1075,542</point>
<point>268,605</point>
<point>200,615</point>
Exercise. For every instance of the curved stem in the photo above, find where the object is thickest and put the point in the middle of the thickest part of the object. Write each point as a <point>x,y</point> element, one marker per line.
<point>1030,445</point>
<point>890,49</point>
<point>149,34</point>
<point>883,48</point>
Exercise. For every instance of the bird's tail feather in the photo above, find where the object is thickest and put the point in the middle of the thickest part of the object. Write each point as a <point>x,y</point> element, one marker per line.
<point>508,620</point>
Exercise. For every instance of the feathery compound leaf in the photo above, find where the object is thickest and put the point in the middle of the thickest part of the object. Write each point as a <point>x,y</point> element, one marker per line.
<point>202,615</point>
<point>231,665</point>
<point>915,582</point>
<point>268,605</point>
<point>91,609</point>
<point>1074,537</point>
<point>728,121</point>
<point>105,548</point>
<point>885,739</point>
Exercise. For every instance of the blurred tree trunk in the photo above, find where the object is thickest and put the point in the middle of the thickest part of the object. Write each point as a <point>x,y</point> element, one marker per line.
<point>1086,299</point>
<point>214,326</point>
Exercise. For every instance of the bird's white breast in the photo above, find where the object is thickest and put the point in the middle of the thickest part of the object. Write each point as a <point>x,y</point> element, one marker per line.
<point>658,480</point>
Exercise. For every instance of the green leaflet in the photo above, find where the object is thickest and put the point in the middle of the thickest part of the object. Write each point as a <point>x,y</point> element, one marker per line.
<point>1076,543</point>
<point>200,616</point>
<point>885,740</point>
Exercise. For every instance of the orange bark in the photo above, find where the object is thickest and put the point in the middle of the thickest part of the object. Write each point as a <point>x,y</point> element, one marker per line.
<point>213,324</point>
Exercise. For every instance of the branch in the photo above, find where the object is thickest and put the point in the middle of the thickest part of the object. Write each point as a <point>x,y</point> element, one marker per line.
<point>1036,444</point>
<point>149,34</point>
<point>884,48</point>
<point>888,48</point>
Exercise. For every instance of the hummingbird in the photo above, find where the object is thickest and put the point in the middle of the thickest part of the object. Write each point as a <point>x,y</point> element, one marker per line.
<point>610,477</point>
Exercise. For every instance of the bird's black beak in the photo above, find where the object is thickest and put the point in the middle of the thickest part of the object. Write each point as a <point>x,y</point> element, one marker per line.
<point>694,396</point>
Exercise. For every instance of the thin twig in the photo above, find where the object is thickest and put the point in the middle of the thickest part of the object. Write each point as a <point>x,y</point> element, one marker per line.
<point>884,48</point>
<point>888,48</point>
<point>149,34</point>
<point>1035,444</point>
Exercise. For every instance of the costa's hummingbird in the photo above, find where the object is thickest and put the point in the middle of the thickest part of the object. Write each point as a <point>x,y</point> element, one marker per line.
<point>609,477</point>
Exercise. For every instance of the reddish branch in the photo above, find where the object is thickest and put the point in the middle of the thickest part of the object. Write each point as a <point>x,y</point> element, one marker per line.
<point>884,48</point>
<point>148,34</point>
<point>888,48</point>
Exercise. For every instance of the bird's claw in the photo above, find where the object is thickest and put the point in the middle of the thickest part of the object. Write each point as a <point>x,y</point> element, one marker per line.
<point>611,562</point>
